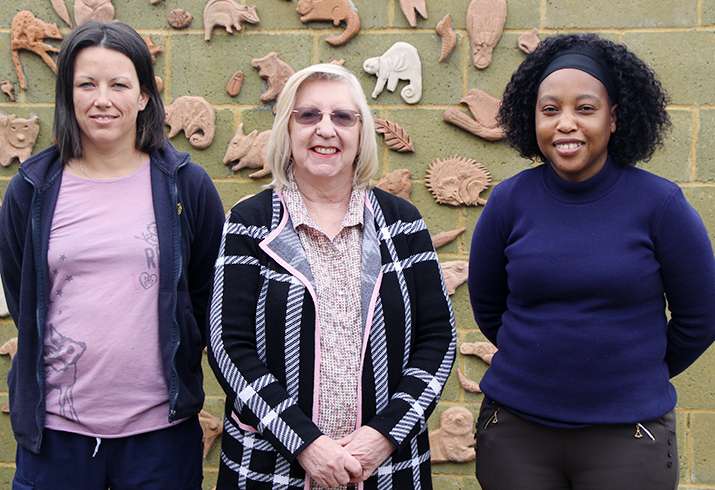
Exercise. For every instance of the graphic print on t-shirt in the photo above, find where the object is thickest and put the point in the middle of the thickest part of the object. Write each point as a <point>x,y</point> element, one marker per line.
<point>61,356</point>
<point>150,236</point>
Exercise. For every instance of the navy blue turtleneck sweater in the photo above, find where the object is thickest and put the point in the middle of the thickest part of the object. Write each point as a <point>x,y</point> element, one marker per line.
<point>570,280</point>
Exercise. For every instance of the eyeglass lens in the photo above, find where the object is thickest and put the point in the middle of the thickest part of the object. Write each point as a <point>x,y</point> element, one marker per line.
<point>340,117</point>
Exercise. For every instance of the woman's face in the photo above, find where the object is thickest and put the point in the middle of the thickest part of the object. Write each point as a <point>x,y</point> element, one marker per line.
<point>324,152</point>
<point>574,122</point>
<point>107,99</point>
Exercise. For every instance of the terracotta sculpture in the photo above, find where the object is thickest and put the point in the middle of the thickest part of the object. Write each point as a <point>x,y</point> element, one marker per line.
<point>233,87</point>
<point>442,239</point>
<point>17,137</point>
<point>457,180</point>
<point>154,2</point>
<point>484,350</point>
<point>195,116</point>
<point>228,14</point>
<point>485,23</point>
<point>61,10</point>
<point>27,32</point>
<point>528,42</point>
<point>179,19</point>
<point>7,87</point>
<point>453,441</point>
<point>212,428</point>
<point>159,83</point>
<point>275,71</point>
<point>101,10</point>
<point>449,37</point>
<point>396,138</point>
<point>9,348</point>
<point>335,10</point>
<point>398,183</point>
<point>413,7</point>
<point>484,107</point>
<point>153,49</point>
<point>455,274</point>
<point>468,385</point>
<point>400,62</point>
<point>248,151</point>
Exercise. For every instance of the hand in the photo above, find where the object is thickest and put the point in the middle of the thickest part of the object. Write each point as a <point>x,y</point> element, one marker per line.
<point>369,447</point>
<point>328,463</point>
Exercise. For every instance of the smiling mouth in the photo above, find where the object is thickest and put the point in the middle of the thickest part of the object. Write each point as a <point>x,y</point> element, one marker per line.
<point>325,151</point>
<point>103,118</point>
<point>568,146</point>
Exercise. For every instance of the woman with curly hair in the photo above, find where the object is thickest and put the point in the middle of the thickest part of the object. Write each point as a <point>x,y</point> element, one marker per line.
<point>573,263</point>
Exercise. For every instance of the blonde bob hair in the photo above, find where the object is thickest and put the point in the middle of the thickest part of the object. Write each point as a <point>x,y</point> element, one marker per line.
<point>278,151</point>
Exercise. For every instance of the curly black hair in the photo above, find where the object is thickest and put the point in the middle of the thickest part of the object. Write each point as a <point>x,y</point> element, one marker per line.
<point>642,120</point>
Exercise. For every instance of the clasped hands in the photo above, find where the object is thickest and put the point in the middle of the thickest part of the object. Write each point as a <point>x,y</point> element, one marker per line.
<point>351,459</point>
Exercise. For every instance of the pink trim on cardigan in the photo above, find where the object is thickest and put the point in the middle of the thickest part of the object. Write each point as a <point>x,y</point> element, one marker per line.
<point>316,367</point>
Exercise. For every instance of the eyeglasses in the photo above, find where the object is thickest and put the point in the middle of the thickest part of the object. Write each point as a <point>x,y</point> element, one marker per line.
<point>309,116</point>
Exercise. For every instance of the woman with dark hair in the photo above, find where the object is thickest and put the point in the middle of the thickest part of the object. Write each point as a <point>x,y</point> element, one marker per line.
<point>572,263</point>
<point>107,245</point>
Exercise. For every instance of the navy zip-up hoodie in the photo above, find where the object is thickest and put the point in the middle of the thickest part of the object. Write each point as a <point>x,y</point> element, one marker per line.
<point>189,218</point>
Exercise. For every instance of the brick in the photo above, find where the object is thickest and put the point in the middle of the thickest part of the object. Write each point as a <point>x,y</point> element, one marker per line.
<point>673,160</point>
<point>705,149</point>
<point>708,17</point>
<point>640,13</point>
<point>702,427</point>
<point>702,199</point>
<point>683,437</point>
<point>696,386</point>
<point>442,483</point>
<point>685,73</point>
<point>7,473</point>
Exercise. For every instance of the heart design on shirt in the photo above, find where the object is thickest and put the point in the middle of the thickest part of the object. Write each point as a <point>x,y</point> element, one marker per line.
<point>147,280</point>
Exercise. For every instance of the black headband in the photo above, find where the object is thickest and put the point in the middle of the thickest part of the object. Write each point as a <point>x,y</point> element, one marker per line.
<point>586,63</point>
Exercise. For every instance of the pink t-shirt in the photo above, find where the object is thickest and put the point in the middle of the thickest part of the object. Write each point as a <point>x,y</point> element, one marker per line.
<point>102,359</point>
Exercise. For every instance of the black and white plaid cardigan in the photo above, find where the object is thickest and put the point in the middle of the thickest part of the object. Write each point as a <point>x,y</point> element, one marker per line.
<point>263,339</point>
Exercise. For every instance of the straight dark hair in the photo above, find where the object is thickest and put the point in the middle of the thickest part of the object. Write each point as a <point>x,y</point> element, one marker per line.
<point>119,37</point>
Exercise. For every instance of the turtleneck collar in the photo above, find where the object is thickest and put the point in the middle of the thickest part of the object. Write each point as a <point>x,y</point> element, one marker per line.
<point>583,192</point>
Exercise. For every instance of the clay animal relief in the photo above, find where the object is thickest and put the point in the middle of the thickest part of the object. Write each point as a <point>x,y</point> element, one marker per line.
<point>195,116</point>
<point>101,10</point>
<point>397,183</point>
<point>336,10</point>
<point>28,32</point>
<point>454,440</point>
<point>228,14</point>
<point>484,108</point>
<point>275,71</point>
<point>400,62</point>
<point>413,7</point>
<point>248,151</point>
<point>485,24</point>
<point>457,181</point>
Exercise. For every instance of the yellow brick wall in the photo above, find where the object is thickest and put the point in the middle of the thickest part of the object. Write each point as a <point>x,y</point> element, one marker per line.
<point>676,37</point>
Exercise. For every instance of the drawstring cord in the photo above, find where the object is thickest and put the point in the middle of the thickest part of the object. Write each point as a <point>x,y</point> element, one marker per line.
<point>96,448</point>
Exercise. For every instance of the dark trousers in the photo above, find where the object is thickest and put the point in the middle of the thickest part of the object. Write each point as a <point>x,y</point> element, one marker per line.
<point>517,454</point>
<point>166,459</point>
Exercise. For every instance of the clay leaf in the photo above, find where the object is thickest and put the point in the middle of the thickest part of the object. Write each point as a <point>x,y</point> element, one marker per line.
<point>396,138</point>
<point>61,9</point>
